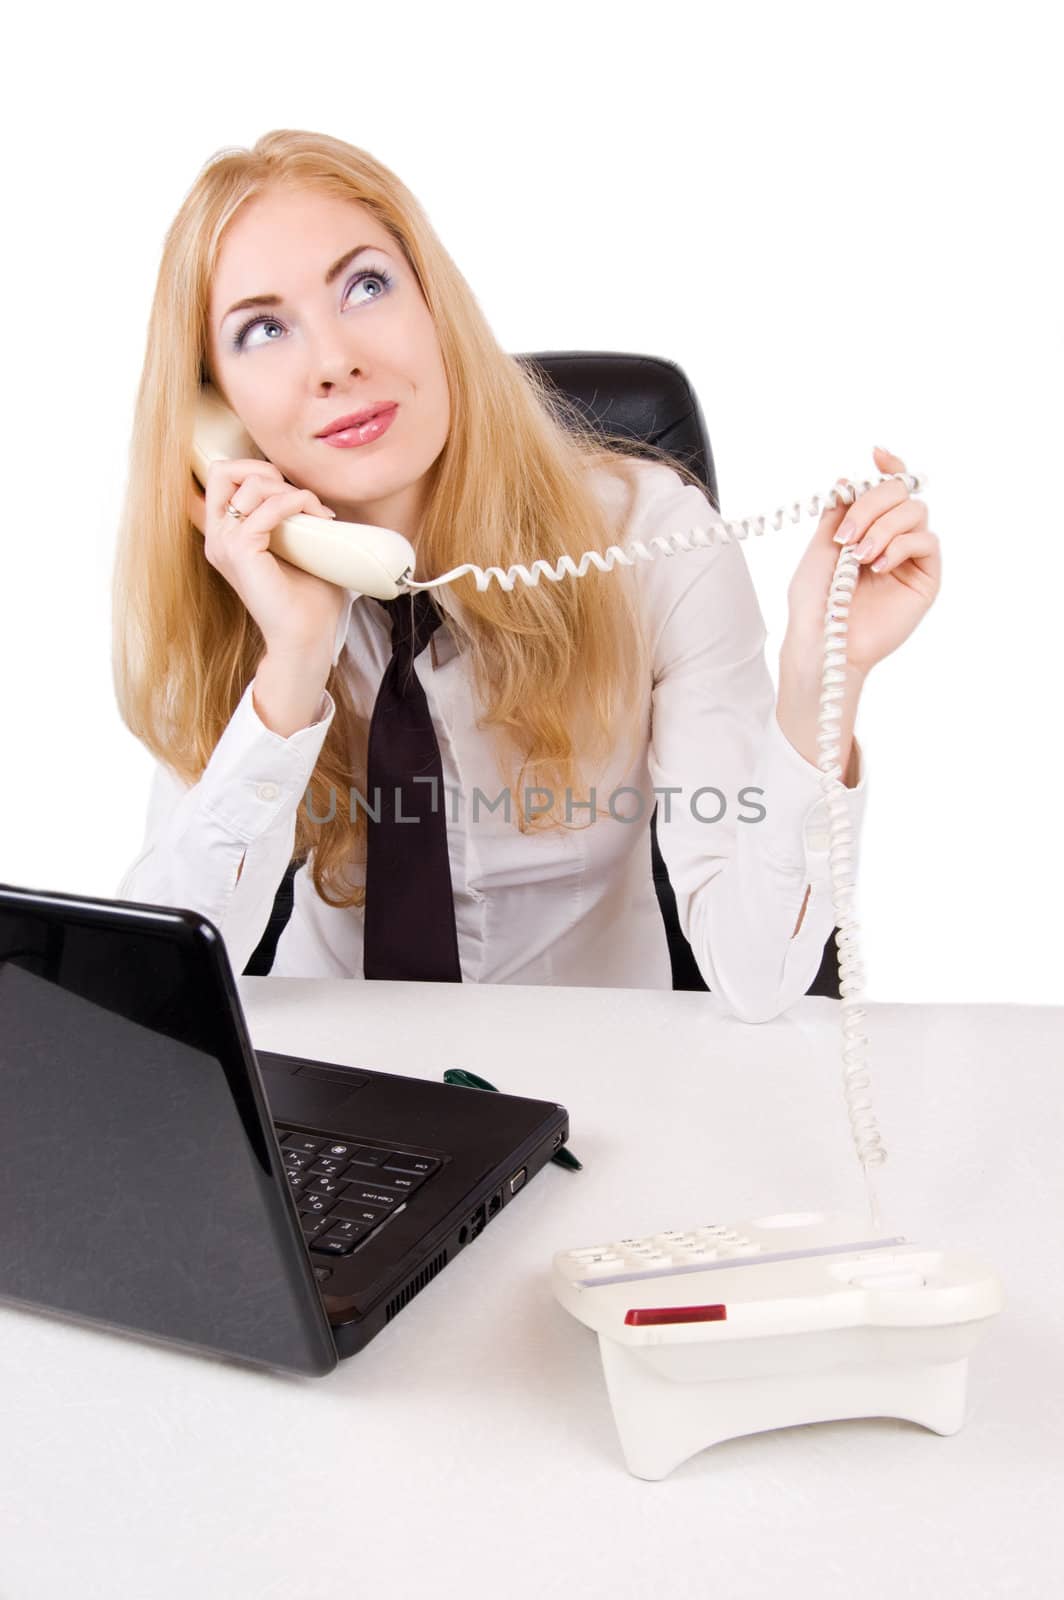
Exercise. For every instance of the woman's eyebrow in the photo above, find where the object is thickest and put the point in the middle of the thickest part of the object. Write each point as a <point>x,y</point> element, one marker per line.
<point>275,299</point>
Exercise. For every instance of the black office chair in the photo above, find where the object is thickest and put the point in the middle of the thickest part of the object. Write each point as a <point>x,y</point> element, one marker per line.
<point>643,398</point>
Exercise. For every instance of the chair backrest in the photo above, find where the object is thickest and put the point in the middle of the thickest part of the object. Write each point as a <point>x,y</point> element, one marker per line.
<point>642,398</point>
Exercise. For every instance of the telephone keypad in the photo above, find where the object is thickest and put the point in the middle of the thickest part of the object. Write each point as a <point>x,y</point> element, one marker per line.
<point>659,1251</point>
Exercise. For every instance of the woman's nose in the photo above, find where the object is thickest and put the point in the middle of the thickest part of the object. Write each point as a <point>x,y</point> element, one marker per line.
<point>334,360</point>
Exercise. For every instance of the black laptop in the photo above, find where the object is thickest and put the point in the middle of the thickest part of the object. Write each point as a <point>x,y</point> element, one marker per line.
<point>161,1177</point>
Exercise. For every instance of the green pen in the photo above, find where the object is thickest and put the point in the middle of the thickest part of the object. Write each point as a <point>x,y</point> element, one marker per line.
<point>469,1080</point>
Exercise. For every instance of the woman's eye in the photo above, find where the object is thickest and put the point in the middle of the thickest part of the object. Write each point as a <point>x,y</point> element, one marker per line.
<point>242,339</point>
<point>377,277</point>
<point>372,277</point>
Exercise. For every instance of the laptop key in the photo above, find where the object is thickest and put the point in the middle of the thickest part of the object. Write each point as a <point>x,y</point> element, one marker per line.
<point>332,1244</point>
<point>406,1182</point>
<point>322,1185</point>
<point>376,1178</point>
<point>372,1195</point>
<point>367,1214</point>
<point>312,1225</point>
<point>338,1151</point>
<point>325,1167</point>
<point>365,1156</point>
<point>299,1141</point>
<point>296,1159</point>
<point>347,1227</point>
<point>398,1161</point>
<point>313,1204</point>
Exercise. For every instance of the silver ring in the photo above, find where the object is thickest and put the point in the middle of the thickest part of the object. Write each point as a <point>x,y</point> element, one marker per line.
<point>231,511</point>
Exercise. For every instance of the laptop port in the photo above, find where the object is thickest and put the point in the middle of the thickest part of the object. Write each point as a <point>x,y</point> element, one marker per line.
<point>478,1222</point>
<point>496,1203</point>
<point>518,1180</point>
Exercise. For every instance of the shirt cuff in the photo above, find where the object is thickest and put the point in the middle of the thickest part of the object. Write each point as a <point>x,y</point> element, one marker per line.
<point>255,775</point>
<point>796,822</point>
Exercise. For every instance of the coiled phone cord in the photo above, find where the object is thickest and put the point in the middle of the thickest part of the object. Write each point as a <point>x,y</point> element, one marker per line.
<point>856,1080</point>
<point>855,1077</point>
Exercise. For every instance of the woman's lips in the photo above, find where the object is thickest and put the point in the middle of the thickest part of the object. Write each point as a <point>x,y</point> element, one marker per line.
<point>365,433</point>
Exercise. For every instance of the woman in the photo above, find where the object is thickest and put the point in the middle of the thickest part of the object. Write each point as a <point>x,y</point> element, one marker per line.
<point>304,281</point>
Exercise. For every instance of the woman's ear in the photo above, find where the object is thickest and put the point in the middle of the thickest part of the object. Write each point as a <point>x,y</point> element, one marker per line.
<point>197,506</point>
<point>207,378</point>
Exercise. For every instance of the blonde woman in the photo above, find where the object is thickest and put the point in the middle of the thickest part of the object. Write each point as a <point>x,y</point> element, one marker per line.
<point>304,281</point>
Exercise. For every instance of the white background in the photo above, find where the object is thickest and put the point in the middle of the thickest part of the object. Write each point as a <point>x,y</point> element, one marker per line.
<point>840,220</point>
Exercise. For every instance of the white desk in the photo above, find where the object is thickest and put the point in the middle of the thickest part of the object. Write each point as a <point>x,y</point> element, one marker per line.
<point>470,1449</point>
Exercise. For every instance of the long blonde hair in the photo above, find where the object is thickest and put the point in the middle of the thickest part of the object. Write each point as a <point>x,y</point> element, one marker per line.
<point>510,485</point>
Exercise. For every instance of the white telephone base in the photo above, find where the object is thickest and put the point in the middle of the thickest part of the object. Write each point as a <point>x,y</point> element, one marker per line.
<point>735,1328</point>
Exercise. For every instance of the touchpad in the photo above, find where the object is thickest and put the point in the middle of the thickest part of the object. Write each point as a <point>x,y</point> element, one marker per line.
<point>308,1093</point>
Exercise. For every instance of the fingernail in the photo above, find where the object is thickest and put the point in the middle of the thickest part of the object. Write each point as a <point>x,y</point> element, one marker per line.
<point>846,533</point>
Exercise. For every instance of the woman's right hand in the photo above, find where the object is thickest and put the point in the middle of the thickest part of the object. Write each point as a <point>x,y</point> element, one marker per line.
<point>296,612</point>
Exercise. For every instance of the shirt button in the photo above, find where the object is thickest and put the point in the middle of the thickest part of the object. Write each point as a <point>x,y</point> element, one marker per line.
<point>267,791</point>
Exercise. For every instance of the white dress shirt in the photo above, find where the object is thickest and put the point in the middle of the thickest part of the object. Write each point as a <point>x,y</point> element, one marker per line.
<point>562,906</point>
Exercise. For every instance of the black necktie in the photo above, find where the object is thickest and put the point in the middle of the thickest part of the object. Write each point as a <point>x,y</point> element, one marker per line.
<point>409,916</point>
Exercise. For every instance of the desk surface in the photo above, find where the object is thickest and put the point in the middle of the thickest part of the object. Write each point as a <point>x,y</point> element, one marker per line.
<point>470,1449</point>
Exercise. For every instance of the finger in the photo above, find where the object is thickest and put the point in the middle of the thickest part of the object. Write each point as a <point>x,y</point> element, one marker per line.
<point>275,508</point>
<point>921,547</point>
<point>234,538</point>
<point>226,479</point>
<point>253,491</point>
<point>904,518</point>
<point>303,499</point>
<point>885,461</point>
<point>869,507</point>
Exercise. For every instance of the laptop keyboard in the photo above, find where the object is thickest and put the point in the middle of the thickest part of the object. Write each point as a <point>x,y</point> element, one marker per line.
<point>344,1190</point>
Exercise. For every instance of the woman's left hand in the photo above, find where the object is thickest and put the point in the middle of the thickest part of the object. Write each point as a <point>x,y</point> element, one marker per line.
<point>890,530</point>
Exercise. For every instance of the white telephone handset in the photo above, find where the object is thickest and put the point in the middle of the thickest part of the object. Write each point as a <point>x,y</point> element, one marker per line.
<point>355,555</point>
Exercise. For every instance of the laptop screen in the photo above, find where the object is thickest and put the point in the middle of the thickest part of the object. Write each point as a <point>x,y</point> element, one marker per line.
<point>141,1186</point>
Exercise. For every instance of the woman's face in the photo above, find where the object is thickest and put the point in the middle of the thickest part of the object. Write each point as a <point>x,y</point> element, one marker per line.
<point>322,350</point>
